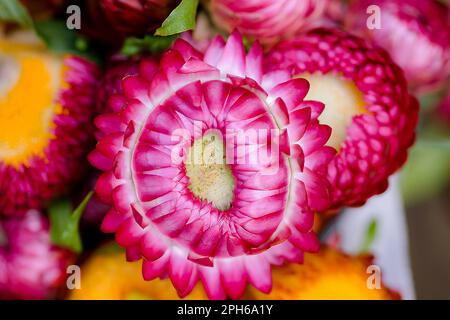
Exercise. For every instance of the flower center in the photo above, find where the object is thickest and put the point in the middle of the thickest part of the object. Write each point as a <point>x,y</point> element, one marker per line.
<point>210,177</point>
<point>342,100</point>
<point>28,90</point>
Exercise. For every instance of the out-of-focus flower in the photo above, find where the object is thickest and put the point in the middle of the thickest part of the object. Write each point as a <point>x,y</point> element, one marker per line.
<point>222,222</point>
<point>113,20</point>
<point>137,17</point>
<point>30,266</point>
<point>46,108</point>
<point>335,11</point>
<point>327,275</point>
<point>367,105</point>
<point>416,33</point>
<point>266,20</point>
<point>106,275</point>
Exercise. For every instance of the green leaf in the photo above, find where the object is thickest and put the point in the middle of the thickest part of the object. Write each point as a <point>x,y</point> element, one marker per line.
<point>151,44</point>
<point>14,11</point>
<point>56,35</point>
<point>76,215</point>
<point>370,236</point>
<point>182,18</point>
<point>64,224</point>
<point>60,39</point>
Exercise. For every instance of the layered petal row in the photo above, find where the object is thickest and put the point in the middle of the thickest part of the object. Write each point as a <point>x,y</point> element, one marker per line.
<point>268,133</point>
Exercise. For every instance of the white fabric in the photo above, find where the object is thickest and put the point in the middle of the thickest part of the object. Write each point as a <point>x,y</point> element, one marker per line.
<point>390,246</point>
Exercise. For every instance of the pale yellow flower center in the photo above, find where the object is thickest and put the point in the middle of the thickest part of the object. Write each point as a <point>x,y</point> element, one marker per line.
<point>342,99</point>
<point>210,176</point>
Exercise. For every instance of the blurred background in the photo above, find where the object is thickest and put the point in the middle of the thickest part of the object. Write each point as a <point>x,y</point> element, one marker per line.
<point>407,229</point>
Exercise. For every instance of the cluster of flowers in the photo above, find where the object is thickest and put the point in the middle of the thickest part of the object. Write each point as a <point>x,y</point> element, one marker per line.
<point>340,104</point>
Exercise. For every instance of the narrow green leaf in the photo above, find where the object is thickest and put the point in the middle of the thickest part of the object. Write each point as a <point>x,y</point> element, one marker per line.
<point>76,215</point>
<point>151,44</point>
<point>182,18</point>
<point>82,206</point>
<point>64,224</point>
<point>370,236</point>
<point>14,11</point>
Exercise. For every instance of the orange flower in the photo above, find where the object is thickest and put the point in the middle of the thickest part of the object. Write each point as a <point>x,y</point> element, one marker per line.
<point>106,275</point>
<point>327,275</point>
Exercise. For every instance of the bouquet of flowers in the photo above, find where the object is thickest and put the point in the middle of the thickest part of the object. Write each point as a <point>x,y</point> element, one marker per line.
<point>218,149</point>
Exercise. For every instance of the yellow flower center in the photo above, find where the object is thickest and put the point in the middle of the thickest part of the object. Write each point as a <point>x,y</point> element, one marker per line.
<point>342,100</point>
<point>29,86</point>
<point>210,177</point>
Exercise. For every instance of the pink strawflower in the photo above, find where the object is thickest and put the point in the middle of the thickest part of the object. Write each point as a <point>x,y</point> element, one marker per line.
<point>46,108</point>
<point>121,67</point>
<point>224,223</point>
<point>367,105</point>
<point>30,266</point>
<point>111,82</point>
<point>416,33</point>
<point>267,20</point>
